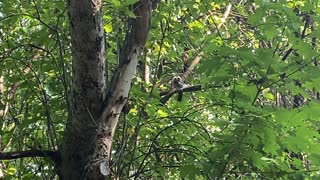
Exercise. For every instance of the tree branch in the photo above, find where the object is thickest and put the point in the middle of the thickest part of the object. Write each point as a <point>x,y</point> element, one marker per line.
<point>169,93</point>
<point>118,91</point>
<point>53,155</point>
<point>183,77</point>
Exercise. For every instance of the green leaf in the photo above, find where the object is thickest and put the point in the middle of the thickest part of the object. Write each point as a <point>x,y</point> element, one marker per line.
<point>161,113</point>
<point>189,171</point>
<point>270,96</point>
<point>245,93</point>
<point>129,2</point>
<point>305,50</point>
<point>116,3</point>
<point>269,160</point>
<point>11,171</point>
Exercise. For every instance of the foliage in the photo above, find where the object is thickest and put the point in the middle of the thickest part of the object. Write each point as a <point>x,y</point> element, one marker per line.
<point>257,115</point>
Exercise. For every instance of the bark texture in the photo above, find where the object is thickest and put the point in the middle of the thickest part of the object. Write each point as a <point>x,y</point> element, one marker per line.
<point>119,89</point>
<point>89,85</point>
<point>89,133</point>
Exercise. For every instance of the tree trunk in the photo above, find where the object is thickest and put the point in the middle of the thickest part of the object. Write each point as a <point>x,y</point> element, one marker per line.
<point>89,85</point>
<point>96,107</point>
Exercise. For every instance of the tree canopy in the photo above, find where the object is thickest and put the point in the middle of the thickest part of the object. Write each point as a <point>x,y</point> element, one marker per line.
<point>250,109</point>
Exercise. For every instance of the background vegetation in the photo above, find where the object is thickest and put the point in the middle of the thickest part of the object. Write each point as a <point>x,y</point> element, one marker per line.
<point>256,116</point>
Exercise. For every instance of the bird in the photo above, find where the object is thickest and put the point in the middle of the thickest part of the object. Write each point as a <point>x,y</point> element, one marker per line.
<point>179,85</point>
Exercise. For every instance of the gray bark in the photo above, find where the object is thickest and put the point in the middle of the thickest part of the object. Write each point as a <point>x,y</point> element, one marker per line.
<point>89,85</point>
<point>89,133</point>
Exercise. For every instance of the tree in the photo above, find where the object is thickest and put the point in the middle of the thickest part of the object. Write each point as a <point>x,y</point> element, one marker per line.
<point>97,106</point>
<point>250,109</point>
<point>95,116</point>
